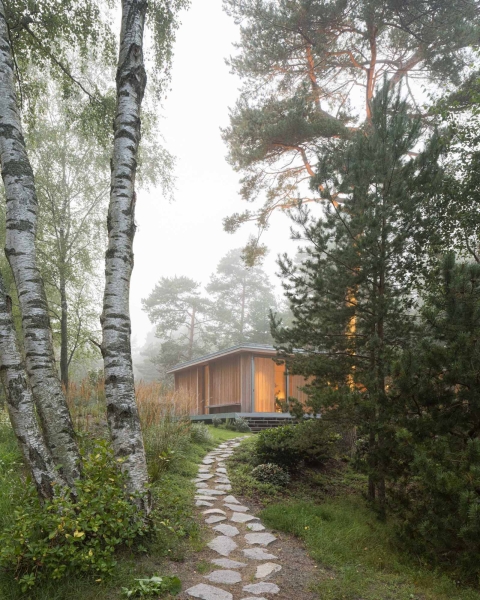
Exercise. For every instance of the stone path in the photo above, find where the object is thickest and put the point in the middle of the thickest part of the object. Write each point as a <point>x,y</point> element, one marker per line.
<point>244,551</point>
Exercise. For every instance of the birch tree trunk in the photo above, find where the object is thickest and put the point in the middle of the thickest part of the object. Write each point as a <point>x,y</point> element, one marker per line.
<point>20,404</point>
<point>122,412</point>
<point>21,222</point>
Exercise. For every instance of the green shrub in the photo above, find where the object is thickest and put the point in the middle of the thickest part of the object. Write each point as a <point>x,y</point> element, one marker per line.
<point>200,434</point>
<point>290,445</point>
<point>241,425</point>
<point>62,536</point>
<point>216,422</point>
<point>151,588</point>
<point>165,443</point>
<point>271,473</point>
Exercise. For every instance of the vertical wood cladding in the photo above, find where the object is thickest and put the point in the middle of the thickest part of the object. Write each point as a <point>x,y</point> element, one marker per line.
<point>264,385</point>
<point>225,381</point>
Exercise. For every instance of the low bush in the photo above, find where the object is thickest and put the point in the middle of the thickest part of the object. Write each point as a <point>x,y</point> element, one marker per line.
<point>48,541</point>
<point>271,473</point>
<point>165,443</point>
<point>288,446</point>
<point>152,587</point>
<point>200,434</point>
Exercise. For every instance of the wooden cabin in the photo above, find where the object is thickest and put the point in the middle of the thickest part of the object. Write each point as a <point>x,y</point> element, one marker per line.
<point>240,381</point>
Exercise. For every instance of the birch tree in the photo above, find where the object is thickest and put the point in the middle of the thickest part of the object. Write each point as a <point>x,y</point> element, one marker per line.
<point>131,81</point>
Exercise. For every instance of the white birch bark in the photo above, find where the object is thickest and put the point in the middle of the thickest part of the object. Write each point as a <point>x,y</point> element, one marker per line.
<point>20,405</point>
<point>21,221</point>
<point>122,412</point>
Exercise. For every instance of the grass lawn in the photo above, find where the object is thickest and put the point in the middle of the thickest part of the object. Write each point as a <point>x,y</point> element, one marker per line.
<point>178,532</point>
<point>356,553</point>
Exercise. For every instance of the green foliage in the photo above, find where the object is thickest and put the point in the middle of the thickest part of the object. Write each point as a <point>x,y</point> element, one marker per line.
<point>290,445</point>
<point>64,535</point>
<point>165,444</point>
<point>216,422</point>
<point>200,434</point>
<point>271,473</point>
<point>152,587</point>
<point>435,449</point>
<point>239,424</point>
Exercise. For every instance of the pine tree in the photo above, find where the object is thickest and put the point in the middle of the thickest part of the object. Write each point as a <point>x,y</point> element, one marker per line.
<point>241,300</point>
<point>353,298</point>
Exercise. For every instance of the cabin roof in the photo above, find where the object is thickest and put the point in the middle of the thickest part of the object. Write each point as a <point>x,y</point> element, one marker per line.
<point>202,360</point>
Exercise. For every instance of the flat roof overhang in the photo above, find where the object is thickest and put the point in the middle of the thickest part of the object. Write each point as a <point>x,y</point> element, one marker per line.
<point>203,360</point>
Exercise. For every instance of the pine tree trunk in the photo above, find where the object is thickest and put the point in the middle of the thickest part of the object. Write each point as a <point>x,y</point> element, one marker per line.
<point>122,410</point>
<point>20,404</point>
<point>21,222</point>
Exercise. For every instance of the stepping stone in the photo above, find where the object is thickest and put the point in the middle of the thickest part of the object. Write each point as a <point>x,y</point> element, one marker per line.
<point>200,496</point>
<point>242,518</point>
<point>214,511</point>
<point>231,500</point>
<point>208,592</point>
<point>204,476</point>
<point>229,530</point>
<point>203,503</point>
<point>221,464</point>
<point>260,538</point>
<point>222,480</point>
<point>227,577</point>
<point>236,507</point>
<point>221,470</point>
<point>213,492</point>
<point>203,469</point>
<point>223,545</point>
<point>227,563</point>
<point>224,487</point>
<point>201,484</point>
<point>267,569</point>
<point>262,588</point>
<point>255,527</point>
<point>212,520</point>
<point>208,461</point>
<point>226,455</point>
<point>255,598</point>
<point>258,554</point>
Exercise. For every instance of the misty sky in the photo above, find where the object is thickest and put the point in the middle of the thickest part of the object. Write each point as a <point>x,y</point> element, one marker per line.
<point>186,237</point>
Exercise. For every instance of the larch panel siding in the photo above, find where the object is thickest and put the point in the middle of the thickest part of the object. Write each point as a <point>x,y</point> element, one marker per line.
<point>246,382</point>
<point>225,381</point>
<point>264,385</point>
<point>186,385</point>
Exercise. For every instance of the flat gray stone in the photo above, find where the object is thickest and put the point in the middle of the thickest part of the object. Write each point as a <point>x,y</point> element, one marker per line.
<point>236,507</point>
<point>213,511</point>
<point>201,484</point>
<point>204,469</point>
<point>226,455</point>
<point>263,539</point>
<point>255,527</point>
<point>242,518</point>
<point>208,592</point>
<point>231,500</point>
<point>215,519</point>
<point>204,476</point>
<point>225,529</point>
<point>224,576</point>
<point>255,598</point>
<point>224,487</point>
<point>221,465</point>
<point>258,554</point>
<point>208,461</point>
<point>203,503</point>
<point>227,563</point>
<point>262,588</point>
<point>222,480</point>
<point>213,492</point>
<point>200,496</point>
<point>223,545</point>
<point>221,470</point>
<point>267,569</point>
